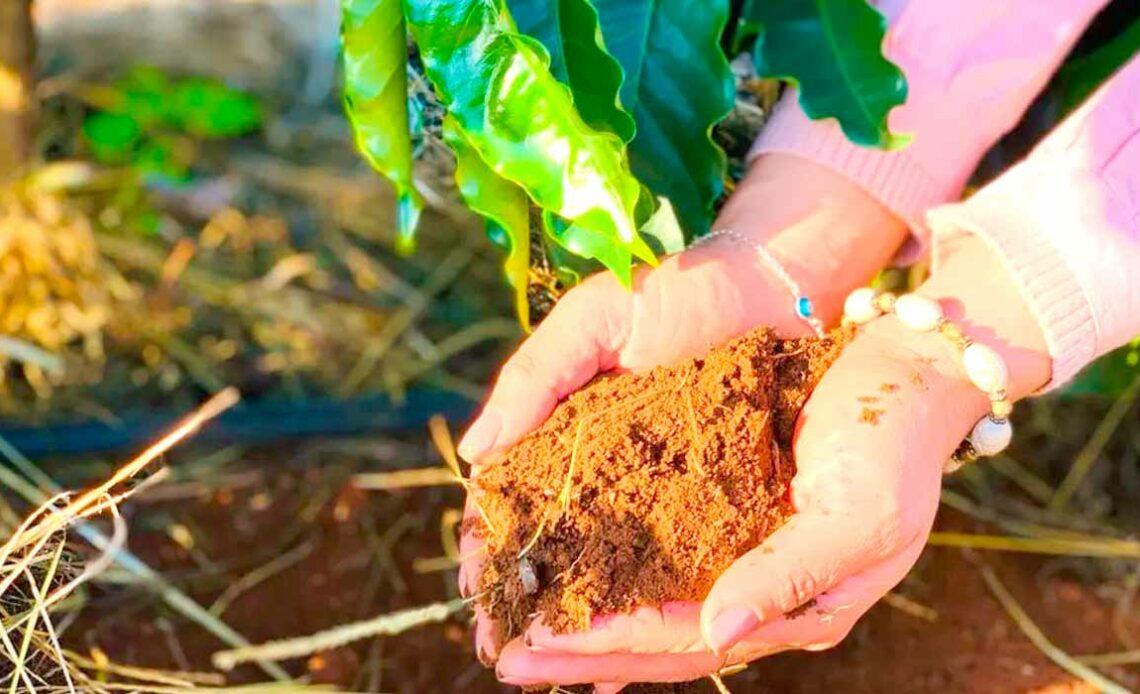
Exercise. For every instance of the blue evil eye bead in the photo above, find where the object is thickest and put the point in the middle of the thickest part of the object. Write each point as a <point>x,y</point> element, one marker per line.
<point>803,307</point>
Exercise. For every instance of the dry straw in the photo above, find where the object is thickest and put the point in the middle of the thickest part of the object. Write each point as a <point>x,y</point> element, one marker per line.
<point>38,572</point>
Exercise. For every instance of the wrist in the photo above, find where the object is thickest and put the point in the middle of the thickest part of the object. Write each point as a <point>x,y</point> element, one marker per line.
<point>983,301</point>
<point>827,232</point>
<point>979,294</point>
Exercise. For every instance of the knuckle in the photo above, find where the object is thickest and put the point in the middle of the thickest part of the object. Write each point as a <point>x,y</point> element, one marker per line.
<point>888,524</point>
<point>799,589</point>
<point>520,368</point>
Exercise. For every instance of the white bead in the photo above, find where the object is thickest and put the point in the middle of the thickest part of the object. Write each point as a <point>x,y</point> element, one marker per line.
<point>918,312</point>
<point>860,306</point>
<point>991,436</point>
<point>985,368</point>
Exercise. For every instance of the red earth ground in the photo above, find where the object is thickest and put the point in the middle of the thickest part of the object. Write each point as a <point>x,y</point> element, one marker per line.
<point>347,575</point>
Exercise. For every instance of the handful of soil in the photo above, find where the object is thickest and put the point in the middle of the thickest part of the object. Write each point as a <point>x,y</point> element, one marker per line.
<point>643,489</point>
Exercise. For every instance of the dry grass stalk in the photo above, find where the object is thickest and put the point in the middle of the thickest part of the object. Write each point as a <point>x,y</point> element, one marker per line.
<point>1032,632</point>
<point>405,479</point>
<point>384,625</point>
<point>1095,445</point>
<point>1091,547</point>
<point>36,574</point>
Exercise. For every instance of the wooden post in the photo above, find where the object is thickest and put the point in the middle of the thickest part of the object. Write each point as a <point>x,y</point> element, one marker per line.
<point>17,67</point>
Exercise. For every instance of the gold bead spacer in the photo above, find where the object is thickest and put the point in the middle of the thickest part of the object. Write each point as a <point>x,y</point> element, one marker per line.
<point>1001,409</point>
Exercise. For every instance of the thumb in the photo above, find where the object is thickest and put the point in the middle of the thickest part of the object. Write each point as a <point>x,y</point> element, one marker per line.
<point>869,452</point>
<point>580,338</point>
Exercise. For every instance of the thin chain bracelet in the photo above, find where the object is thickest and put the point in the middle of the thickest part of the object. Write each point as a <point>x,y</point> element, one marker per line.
<point>983,366</point>
<point>803,306</point>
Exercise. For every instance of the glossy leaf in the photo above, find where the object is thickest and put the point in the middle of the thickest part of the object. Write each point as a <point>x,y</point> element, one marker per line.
<point>663,231</point>
<point>497,85</point>
<point>832,50</point>
<point>678,85</point>
<point>503,204</point>
<point>569,31</point>
<point>375,96</point>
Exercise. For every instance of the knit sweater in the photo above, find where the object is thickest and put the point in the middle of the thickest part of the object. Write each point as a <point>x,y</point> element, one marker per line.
<point>1065,220</point>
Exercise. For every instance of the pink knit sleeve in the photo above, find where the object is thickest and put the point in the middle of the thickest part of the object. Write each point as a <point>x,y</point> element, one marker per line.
<point>972,66</point>
<point>1066,222</point>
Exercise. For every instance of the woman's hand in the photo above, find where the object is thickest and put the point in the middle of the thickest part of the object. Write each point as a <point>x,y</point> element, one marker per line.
<point>829,234</point>
<point>870,446</point>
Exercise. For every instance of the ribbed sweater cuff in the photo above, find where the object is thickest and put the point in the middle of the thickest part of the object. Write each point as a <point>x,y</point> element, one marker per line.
<point>895,179</point>
<point>1039,270</point>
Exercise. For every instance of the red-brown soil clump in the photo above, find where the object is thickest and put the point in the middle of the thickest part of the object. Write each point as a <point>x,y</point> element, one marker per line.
<point>642,489</point>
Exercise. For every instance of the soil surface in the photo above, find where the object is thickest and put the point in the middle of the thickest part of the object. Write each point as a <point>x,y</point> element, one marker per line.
<point>364,555</point>
<point>642,489</point>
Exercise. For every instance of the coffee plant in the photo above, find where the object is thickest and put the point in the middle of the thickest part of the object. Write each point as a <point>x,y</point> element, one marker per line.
<point>590,122</point>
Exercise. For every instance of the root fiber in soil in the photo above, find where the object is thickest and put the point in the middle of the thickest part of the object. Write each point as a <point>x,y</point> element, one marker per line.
<point>642,489</point>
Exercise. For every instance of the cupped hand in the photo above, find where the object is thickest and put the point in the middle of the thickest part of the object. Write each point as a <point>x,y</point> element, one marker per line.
<point>869,448</point>
<point>826,232</point>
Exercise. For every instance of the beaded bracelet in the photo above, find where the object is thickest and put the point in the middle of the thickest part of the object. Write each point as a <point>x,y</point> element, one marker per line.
<point>983,366</point>
<point>802,304</point>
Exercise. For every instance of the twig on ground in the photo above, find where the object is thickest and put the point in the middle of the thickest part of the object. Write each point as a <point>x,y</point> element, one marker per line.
<point>405,479</point>
<point>719,684</point>
<point>384,625</point>
<point>1037,488</point>
<point>988,514</point>
<point>1037,637</point>
<point>1114,549</point>
<point>1092,449</point>
<point>38,493</point>
<point>911,607</point>
<point>262,573</point>
<point>1110,659</point>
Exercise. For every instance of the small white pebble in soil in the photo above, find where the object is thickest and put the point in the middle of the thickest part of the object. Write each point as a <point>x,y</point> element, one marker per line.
<point>528,577</point>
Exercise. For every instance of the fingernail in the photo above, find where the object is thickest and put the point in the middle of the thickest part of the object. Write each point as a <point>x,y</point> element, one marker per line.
<point>730,626</point>
<point>484,658</point>
<point>480,438</point>
<point>508,678</point>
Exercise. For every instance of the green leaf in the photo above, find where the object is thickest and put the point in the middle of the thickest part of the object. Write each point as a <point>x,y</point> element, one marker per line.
<point>663,230</point>
<point>111,136</point>
<point>209,109</point>
<point>143,94</point>
<point>677,86</point>
<point>832,49</point>
<point>503,204</point>
<point>497,85</point>
<point>1079,78</point>
<point>1110,375</point>
<point>376,101</point>
<point>569,31</point>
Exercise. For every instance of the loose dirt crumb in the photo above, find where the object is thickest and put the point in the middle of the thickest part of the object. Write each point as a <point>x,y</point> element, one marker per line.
<point>871,416</point>
<point>801,610</point>
<point>867,399</point>
<point>659,482</point>
<point>889,387</point>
